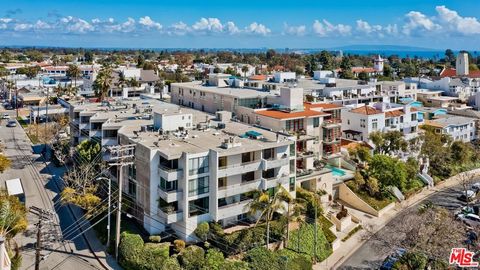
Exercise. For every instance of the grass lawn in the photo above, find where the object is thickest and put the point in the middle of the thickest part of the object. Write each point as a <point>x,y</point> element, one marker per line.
<point>377,204</point>
<point>302,241</point>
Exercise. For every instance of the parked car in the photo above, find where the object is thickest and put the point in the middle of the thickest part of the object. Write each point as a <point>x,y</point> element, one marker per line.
<point>469,195</point>
<point>392,259</point>
<point>469,219</point>
<point>467,210</point>
<point>5,116</point>
<point>12,123</point>
<point>8,107</point>
<point>476,187</point>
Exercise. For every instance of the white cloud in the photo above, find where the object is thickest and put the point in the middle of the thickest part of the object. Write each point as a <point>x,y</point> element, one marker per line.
<point>75,25</point>
<point>22,27</point>
<point>257,28</point>
<point>365,27</point>
<point>179,28</point>
<point>232,28</point>
<point>5,20</point>
<point>208,25</point>
<point>419,22</point>
<point>41,25</point>
<point>149,23</point>
<point>294,30</point>
<point>325,28</point>
<point>451,20</point>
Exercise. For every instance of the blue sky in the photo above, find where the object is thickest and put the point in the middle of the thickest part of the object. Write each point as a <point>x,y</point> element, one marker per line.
<point>241,24</point>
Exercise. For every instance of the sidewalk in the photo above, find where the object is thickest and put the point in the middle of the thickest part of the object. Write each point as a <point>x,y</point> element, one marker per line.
<point>94,244</point>
<point>349,247</point>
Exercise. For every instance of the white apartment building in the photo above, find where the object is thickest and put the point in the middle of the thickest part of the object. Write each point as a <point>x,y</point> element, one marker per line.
<point>458,127</point>
<point>195,167</point>
<point>358,123</point>
<point>190,166</point>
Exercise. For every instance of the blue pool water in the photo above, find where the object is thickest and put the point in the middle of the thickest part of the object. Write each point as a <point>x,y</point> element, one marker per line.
<point>336,171</point>
<point>416,104</point>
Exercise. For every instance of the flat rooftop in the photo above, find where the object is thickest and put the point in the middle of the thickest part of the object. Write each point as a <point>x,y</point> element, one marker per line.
<point>210,137</point>
<point>228,91</point>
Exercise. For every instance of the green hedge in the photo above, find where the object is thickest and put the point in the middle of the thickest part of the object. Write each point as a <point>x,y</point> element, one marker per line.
<point>302,241</point>
<point>135,254</point>
<point>326,225</point>
<point>261,258</point>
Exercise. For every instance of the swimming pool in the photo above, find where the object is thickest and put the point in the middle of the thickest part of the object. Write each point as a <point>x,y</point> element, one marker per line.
<point>336,171</point>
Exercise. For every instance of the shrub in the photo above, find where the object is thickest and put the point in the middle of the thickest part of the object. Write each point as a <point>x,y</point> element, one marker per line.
<point>235,265</point>
<point>214,259</point>
<point>179,245</point>
<point>192,257</point>
<point>411,260</point>
<point>202,231</point>
<point>311,202</point>
<point>171,263</point>
<point>302,240</point>
<point>294,260</point>
<point>153,256</point>
<point>155,238</point>
<point>261,258</point>
<point>130,249</point>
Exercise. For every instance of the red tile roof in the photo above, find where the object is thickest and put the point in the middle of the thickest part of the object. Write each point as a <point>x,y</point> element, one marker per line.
<point>451,72</point>
<point>258,77</point>
<point>325,106</point>
<point>366,110</point>
<point>395,113</point>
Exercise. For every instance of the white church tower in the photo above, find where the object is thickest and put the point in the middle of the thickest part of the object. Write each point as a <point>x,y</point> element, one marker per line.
<point>378,64</point>
<point>462,64</point>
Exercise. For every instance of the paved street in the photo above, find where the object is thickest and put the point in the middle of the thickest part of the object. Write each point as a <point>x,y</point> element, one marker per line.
<point>41,191</point>
<point>372,253</point>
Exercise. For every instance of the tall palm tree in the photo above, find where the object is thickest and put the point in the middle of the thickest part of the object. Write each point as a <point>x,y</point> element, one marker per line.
<point>159,85</point>
<point>74,72</point>
<point>266,204</point>
<point>103,82</point>
<point>245,70</point>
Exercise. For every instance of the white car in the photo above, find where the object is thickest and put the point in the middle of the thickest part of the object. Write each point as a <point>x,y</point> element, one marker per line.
<point>469,196</point>
<point>5,116</point>
<point>469,219</point>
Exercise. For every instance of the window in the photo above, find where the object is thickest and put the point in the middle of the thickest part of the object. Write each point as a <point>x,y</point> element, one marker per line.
<point>414,116</point>
<point>374,125</point>
<point>247,157</point>
<point>401,119</point>
<point>292,184</point>
<point>292,149</point>
<point>348,121</point>
<point>316,122</point>
<point>294,125</point>
<point>222,182</point>
<point>198,165</point>
<point>198,207</point>
<point>222,162</point>
<point>198,186</point>
<point>132,188</point>
<point>168,186</point>
<point>269,153</point>
<point>249,176</point>
<point>270,173</point>
<point>362,123</point>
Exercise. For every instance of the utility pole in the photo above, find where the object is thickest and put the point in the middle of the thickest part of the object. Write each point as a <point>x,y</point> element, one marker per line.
<point>16,97</point>
<point>46,122</point>
<point>122,155</point>
<point>43,215</point>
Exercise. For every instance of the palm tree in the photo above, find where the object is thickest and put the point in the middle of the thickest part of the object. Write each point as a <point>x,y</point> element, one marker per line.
<point>267,203</point>
<point>159,85</point>
<point>245,70</point>
<point>12,216</point>
<point>103,82</point>
<point>74,72</point>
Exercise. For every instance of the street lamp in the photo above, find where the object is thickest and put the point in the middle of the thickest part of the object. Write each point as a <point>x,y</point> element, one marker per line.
<point>109,202</point>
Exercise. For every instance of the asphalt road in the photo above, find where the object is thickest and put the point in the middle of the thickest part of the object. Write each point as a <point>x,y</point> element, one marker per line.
<point>372,253</point>
<point>42,192</point>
